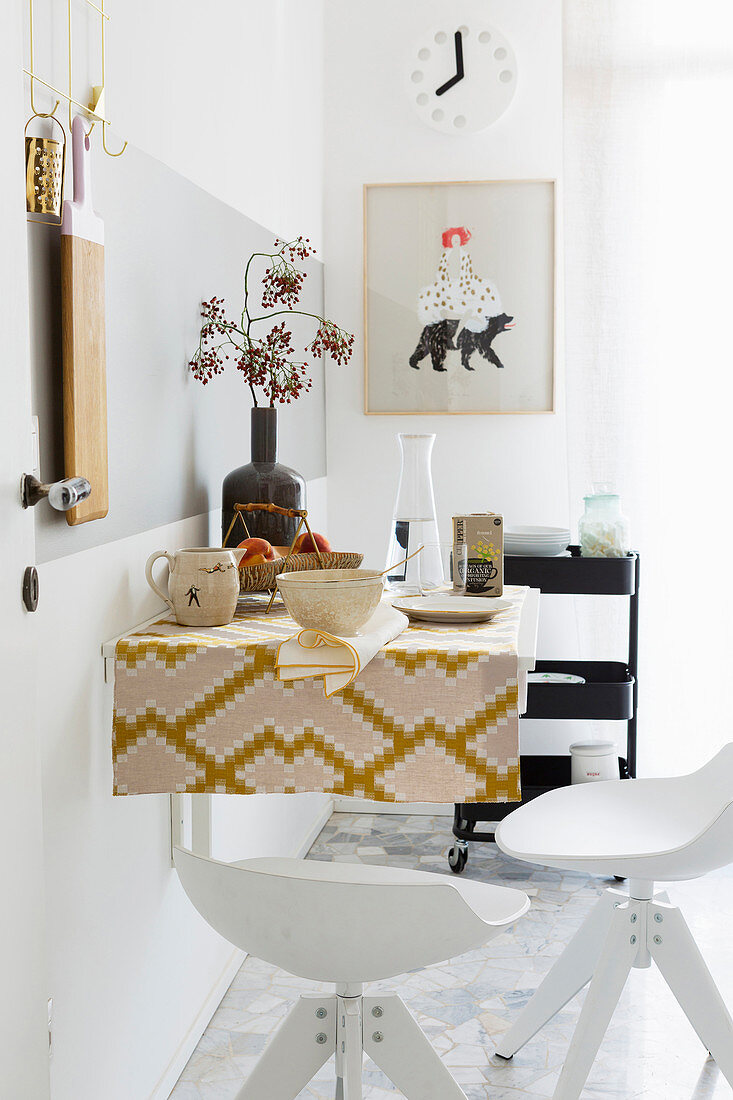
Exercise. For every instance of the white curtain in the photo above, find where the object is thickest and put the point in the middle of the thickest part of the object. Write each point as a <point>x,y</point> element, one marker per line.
<point>649,319</point>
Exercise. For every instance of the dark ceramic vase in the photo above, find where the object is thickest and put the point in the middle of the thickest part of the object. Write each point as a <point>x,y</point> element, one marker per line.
<point>262,481</point>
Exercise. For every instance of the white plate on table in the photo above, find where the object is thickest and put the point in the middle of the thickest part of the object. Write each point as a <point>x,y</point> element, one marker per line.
<point>451,609</point>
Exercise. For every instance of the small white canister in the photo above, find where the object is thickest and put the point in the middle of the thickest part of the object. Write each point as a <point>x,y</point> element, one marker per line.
<point>592,761</point>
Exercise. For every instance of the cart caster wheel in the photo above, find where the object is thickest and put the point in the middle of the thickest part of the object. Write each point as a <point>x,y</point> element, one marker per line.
<point>619,878</point>
<point>457,859</point>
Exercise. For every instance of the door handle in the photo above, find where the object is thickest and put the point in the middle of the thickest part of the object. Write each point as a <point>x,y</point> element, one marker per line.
<point>61,495</point>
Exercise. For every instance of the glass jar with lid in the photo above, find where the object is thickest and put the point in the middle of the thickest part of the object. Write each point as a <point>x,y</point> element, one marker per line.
<point>603,529</point>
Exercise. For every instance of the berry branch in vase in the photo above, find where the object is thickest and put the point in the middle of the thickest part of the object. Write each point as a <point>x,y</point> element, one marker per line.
<point>267,359</point>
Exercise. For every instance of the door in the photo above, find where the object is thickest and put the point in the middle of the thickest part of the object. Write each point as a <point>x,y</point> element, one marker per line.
<point>23,996</point>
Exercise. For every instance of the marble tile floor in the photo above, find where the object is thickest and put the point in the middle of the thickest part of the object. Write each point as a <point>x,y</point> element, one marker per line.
<point>650,1051</point>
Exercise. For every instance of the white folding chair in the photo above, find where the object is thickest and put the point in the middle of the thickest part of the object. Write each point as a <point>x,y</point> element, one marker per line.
<point>347,924</point>
<point>646,831</point>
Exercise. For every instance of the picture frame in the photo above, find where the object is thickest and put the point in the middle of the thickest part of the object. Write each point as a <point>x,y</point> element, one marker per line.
<point>460,293</point>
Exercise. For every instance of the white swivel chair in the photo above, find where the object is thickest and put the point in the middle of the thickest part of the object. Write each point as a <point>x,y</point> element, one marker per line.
<point>646,831</point>
<point>347,924</point>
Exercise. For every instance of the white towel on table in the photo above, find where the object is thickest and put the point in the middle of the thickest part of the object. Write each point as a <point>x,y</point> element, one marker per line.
<point>338,660</point>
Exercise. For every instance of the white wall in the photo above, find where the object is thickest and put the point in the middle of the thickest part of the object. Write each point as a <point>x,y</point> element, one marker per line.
<point>516,465</point>
<point>511,464</point>
<point>230,96</point>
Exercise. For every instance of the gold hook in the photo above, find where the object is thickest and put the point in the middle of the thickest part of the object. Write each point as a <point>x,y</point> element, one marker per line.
<point>43,114</point>
<point>104,81</point>
<point>104,143</point>
<point>36,112</point>
<point>71,66</point>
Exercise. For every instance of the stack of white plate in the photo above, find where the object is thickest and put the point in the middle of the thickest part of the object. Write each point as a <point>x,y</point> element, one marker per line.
<point>539,542</point>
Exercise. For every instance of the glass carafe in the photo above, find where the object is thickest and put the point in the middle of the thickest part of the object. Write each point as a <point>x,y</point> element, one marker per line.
<point>414,522</point>
<point>603,530</point>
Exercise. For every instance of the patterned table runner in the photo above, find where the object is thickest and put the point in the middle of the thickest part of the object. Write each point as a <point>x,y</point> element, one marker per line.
<point>432,718</point>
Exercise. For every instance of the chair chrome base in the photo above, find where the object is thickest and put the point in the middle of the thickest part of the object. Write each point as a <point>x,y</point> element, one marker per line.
<point>349,1026</point>
<point>624,931</point>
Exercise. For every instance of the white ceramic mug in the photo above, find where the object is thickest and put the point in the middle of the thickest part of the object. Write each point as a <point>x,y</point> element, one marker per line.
<point>203,584</point>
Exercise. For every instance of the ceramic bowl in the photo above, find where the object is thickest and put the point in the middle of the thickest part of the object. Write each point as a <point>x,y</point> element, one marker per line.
<point>338,601</point>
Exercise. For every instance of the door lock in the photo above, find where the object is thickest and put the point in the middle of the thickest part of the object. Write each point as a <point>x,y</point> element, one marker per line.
<point>30,588</point>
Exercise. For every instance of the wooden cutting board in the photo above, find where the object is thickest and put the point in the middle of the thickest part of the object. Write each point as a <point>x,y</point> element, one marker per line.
<point>83,338</point>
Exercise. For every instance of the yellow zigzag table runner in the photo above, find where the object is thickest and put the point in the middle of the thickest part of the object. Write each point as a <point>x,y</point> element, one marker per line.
<point>432,718</point>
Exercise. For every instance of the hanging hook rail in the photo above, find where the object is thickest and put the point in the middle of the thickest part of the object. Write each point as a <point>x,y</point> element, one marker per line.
<point>95,110</point>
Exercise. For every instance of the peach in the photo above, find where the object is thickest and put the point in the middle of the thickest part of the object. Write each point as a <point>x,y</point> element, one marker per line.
<point>257,552</point>
<point>253,559</point>
<point>304,544</point>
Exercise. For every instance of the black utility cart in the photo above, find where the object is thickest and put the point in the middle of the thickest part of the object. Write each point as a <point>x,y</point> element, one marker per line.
<point>609,693</point>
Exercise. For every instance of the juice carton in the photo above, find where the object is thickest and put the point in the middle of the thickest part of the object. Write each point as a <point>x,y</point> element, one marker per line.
<point>483,535</point>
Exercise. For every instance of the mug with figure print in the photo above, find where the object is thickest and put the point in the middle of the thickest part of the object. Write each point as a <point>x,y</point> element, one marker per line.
<point>203,584</point>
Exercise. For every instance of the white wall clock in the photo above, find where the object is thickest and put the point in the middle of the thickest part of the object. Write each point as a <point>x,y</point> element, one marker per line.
<point>462,77</point>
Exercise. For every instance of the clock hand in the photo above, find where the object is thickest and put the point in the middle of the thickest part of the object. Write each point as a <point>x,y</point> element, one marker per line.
<point>458,38</point>
<point>459,54</point>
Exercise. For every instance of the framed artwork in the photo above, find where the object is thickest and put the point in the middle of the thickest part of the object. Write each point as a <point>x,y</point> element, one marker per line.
<point>459,297</point>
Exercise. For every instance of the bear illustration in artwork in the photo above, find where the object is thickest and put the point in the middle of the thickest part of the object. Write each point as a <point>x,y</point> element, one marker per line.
<point>461,313</point>
<point>438,339</point>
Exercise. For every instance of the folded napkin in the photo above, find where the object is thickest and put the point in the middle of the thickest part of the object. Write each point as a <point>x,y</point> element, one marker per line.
<point>338,660</point>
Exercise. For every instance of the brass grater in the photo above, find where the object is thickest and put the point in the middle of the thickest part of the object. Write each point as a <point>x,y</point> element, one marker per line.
<point>44,172</point>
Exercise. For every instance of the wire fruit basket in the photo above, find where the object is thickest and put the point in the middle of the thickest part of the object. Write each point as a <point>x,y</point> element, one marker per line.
<point>262,577</point>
